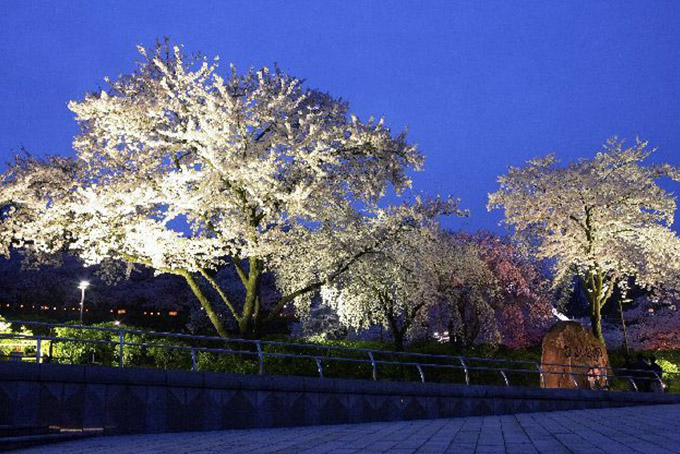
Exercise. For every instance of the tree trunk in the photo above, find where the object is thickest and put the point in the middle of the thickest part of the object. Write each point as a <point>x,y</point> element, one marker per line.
<point>623,327</point>
<point>397,333</point>
<point>596,321</point>
<point>457,338</point>
<point>598,290</point>
<point>206,305</point>
<point>398,337</point>
<point>247,325</point>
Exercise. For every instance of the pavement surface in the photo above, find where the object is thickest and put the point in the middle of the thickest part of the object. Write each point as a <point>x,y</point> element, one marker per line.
<point>651,429</point>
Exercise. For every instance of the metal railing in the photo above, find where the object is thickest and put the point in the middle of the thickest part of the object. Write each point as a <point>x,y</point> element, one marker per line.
<point>375,360</point>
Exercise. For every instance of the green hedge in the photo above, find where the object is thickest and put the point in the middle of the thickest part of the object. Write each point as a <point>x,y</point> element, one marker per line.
<point>244,359</point>
<point>107,353</point>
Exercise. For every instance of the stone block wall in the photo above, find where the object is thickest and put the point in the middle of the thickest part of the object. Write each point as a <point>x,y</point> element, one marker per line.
<point>146,401</point>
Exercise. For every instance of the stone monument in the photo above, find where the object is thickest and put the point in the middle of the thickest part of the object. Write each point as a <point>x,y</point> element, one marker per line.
<point>569,350</point>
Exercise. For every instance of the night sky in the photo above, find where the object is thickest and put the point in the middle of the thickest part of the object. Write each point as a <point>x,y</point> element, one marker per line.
<point>481,84</point>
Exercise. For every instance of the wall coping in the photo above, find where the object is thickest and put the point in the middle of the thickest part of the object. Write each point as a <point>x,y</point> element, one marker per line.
<point>60,373</point>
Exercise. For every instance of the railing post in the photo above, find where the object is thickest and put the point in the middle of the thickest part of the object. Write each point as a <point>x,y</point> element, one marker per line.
<point>422,374</point>
<point>663,385</point>
<point>632,382</point>
<point>374,366</point>
<point>194,367</point>
<point>121,335</point>
<point>540,375</point>
<point>260,357</point>
<point>505,377</point>
<point>574,380</point>
<point>465,368</point>
<point>38,354</point>
<point>319,367</point>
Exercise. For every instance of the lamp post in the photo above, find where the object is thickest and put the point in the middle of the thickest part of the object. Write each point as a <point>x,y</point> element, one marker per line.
<point>82,286</point>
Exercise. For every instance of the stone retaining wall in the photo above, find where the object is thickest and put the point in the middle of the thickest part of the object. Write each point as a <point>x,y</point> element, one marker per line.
<point>138,400</point>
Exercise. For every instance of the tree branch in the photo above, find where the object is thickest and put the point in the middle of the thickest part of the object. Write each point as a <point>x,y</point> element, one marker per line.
<point>239,270</point>
<point>219,291</point>
<point>205,303</point>
<point>315,285</point>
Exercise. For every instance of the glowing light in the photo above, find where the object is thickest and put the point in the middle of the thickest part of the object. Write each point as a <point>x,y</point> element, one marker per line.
<point>83,285</point>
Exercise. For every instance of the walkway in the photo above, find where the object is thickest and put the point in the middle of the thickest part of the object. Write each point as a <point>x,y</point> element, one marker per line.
<point>618,431</point>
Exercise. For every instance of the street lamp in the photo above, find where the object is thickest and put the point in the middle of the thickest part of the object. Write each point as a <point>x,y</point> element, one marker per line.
<point>82,286</point>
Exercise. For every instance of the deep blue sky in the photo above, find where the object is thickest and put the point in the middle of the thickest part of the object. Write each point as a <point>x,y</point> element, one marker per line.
<point>481,84</point>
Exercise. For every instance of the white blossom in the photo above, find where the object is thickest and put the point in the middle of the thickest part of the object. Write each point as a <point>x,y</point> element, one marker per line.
<point>605,219</point>
<point>186,171</point>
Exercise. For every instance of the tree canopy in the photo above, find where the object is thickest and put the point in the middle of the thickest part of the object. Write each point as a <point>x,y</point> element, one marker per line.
<point>186,171</point>
<point>605,220</point>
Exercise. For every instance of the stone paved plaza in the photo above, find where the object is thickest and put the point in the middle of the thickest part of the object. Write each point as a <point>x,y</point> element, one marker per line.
<point>652,429</point>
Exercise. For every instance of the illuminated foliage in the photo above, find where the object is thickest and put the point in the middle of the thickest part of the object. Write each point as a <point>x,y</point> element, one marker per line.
<point>185,171</point>
<point>491,292</point>
<point>393,285</point>
<point>604,220</point>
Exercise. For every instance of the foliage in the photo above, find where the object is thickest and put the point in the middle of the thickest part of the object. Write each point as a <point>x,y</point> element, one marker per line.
<point>653,325</point>
<point>467,290</point>
<point>522,303</point>
<point>491,293</point>
<point>146,351</point>
<point>669,368</point>
<point>396,283</point>
<point>604,220</point>
<point>91,346</point>
<point>185,171</point>
<point>219,362</point>
<point>9,344</point>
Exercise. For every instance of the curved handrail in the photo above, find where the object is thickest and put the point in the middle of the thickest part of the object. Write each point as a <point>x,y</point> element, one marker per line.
<point>633,376</point>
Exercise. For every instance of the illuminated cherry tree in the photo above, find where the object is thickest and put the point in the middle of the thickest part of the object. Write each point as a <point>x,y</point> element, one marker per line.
<point>522,300</point>
<point>654,325</point>
<point>399,280</point>
<point>490,293</point>
<point>186,171</point>
<point>467,288</point>
<point>604,220</point>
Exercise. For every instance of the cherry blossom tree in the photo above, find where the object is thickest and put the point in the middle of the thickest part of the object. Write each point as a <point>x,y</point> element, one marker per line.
<point>398,281</point>
<point>467,290</point>
<point>186,171</point>
<point>491,293</point>
<point>603,220</point>
<point>652,323</point>
<point>523,300</point>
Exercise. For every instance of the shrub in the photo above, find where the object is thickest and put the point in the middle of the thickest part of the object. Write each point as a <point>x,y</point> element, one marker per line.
<point>90,347</point>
